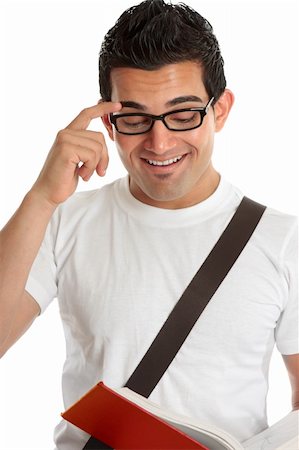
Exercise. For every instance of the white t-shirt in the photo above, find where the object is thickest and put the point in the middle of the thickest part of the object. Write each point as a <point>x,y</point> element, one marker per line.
<point>118,267</point>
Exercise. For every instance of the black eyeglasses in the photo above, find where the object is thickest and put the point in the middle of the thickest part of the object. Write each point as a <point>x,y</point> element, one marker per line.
<point>178,120</point>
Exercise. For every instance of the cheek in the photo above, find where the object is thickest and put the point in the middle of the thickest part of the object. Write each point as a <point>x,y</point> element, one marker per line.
<point>206,138</point>
<point>127,145</point>
<point>120,142</point>
<point>201,139</point>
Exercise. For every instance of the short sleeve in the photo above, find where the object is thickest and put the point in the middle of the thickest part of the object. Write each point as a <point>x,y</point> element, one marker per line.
<point>287,332</point>
<point>42,280</point>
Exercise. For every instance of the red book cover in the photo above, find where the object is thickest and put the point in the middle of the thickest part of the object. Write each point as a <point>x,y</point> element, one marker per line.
<point>122,424</point>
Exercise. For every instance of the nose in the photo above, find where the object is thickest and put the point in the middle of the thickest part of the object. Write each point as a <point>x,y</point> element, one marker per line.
<point>159,139</point>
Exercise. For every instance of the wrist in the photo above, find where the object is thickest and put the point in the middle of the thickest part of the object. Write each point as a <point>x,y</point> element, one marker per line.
<point>37,198</point>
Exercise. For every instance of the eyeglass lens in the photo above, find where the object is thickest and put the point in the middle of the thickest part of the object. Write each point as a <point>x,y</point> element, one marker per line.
<point>183,120</point>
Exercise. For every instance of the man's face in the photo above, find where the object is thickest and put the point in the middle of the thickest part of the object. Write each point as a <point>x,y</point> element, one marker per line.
<point>192,178</point>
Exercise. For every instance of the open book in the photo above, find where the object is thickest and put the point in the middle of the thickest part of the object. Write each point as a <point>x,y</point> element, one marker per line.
<point>124,419</point>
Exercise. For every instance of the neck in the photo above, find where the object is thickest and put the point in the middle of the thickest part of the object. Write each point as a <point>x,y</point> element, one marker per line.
<point>204,188</point>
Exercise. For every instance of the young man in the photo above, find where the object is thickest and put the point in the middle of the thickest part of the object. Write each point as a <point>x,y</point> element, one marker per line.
<point>119,258</point>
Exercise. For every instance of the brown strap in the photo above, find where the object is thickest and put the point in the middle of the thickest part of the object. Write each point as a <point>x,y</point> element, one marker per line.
<point>196,297</point>
<point>192,303</point>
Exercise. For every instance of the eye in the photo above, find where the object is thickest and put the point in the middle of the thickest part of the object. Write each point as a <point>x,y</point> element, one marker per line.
<point>184,117</point>
<point>134,122</point>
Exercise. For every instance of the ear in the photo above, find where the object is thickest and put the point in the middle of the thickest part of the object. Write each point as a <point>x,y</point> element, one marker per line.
<point>108,125</point>
<point>222,109</point>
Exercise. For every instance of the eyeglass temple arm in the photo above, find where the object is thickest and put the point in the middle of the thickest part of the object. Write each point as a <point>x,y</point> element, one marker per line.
<point>209,104</point>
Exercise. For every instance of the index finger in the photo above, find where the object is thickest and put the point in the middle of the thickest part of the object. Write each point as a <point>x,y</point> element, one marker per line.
<point>83,119</point>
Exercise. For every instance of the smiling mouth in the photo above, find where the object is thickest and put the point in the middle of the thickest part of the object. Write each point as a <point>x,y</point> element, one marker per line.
<point>167,162</point>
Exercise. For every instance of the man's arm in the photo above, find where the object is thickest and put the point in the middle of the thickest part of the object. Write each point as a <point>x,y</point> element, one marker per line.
<point>292,365</point>
<point>28,310</point>
<point>21,238</point>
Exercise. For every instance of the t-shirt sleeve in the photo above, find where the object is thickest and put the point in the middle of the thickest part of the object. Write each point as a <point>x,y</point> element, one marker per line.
<point>286,333</point>
<point>42,280</point>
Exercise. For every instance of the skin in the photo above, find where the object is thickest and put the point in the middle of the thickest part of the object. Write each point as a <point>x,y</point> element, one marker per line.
<point>78,152</point>
<point>21,238</point>
<point>191,180</point>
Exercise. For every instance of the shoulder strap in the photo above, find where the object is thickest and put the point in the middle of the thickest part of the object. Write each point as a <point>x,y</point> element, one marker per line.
<point>192,303</point>
<point>196,297</point>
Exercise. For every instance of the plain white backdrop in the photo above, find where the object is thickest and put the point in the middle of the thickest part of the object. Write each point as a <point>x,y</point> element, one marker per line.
<point>49,53</point>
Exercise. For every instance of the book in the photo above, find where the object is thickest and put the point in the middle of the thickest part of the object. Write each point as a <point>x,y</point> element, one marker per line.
<point>124,419</point>
<point>282,435</point>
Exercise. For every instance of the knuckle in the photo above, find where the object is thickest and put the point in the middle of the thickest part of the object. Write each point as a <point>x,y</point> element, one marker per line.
<point>98,137</point>
<point>101,137</point>
<point>61,135</point>
<point>90,159</point>
<point>93,155</point>
<point>104,155</point>
<point>96,149</point>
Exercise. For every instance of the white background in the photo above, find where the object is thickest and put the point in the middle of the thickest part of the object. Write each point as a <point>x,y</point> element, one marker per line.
<point>48,74</point>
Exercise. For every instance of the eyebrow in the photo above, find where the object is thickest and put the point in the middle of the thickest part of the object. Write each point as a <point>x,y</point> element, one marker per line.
<point>173,102</point>
<point>184,99</point>
<point>135,105</point>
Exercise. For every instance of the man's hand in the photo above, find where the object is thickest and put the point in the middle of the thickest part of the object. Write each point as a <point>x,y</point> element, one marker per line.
<point>21,238</point>
<point>76,152</point>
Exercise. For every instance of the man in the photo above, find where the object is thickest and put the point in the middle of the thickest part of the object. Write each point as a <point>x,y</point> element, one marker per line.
<point>119,258</point>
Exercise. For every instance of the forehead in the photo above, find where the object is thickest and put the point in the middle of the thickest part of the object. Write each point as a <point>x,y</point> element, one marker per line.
<point>150,87</point>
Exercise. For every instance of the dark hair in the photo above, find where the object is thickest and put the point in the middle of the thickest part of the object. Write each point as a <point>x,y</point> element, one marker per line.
<point>154,33</point>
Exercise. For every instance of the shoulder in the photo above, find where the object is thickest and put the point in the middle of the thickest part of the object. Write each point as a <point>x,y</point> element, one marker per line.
<point>277,224</point>
<point>277,237</point>
<point>280,225</point>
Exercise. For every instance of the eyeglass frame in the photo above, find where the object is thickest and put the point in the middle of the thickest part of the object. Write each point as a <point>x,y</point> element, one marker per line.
<point>202,110</point>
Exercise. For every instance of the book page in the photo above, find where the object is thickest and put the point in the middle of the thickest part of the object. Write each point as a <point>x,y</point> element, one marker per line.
<point>293,444</point>
<point>210,440</point>
<point>283,435</point>
<point>207,434</point>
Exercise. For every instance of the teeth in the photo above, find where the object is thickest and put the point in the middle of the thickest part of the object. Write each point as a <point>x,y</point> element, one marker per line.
<point>164,163</point>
